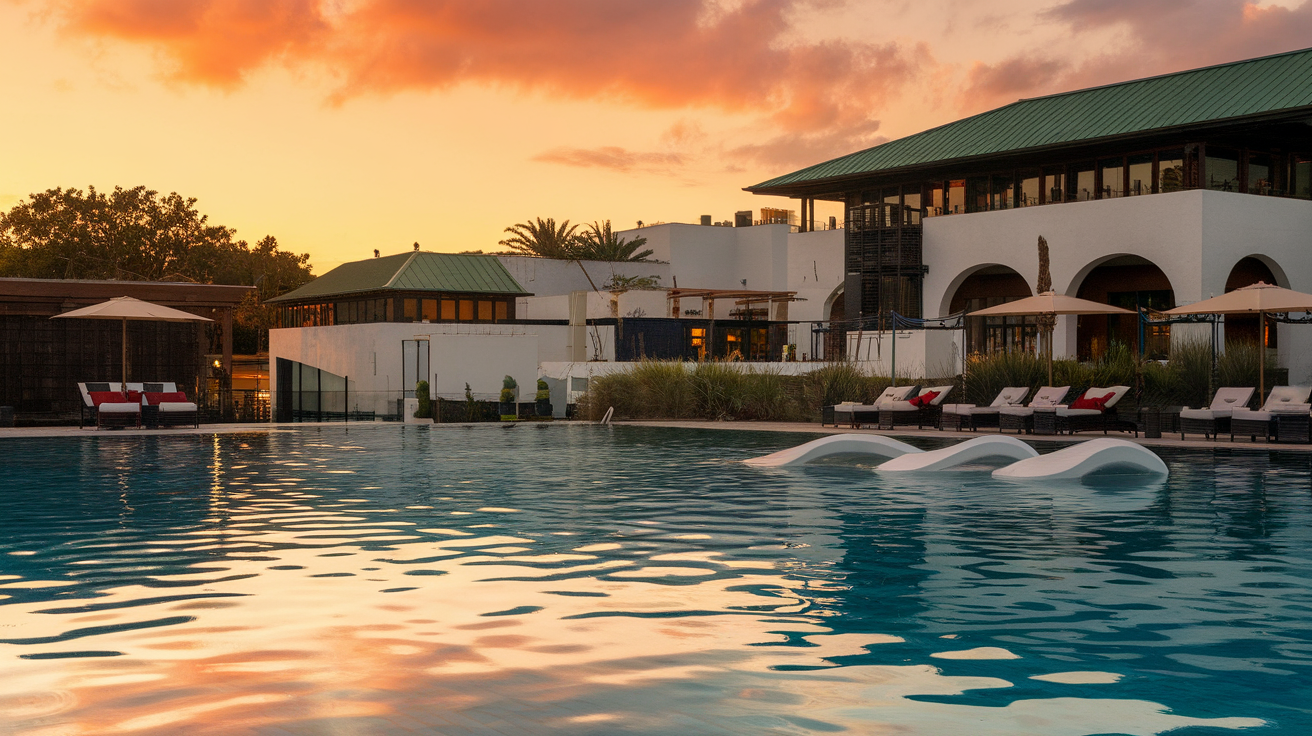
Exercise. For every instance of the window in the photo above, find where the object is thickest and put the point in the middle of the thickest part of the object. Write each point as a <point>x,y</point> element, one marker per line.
<point>1300,180</point>
<point>466,310</point>
<point>911,209</point>
<point>936,204</point>
<point>503,310</point>
<point>430,310</point>
<point>1029,189</point>
<point>448,310</point>
<point>1222,171</point>
<point>1054,185</point>
<point>1113,178</point>
<point>411,310</point>
<point>391,309</point>
<point>956,203</point>
<point>1141,174</point>
<point>977,194</point>
<point>484,311</point>
<point>1170,171</point>
<point>1004,192</point>
<point>1081,183</point>
<point>1259,174</point>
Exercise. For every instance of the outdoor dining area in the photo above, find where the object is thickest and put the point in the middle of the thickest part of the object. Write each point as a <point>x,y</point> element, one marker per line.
<point>1283,414</point>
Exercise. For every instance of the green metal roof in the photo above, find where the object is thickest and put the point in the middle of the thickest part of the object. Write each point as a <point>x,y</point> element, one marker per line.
<point>1231,91</point>
<point>417,271</point>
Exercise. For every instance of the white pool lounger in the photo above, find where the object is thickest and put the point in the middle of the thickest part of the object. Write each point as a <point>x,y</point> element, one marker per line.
<point>839,444</point>
<point>1077,461</point>
<point>964,453</point>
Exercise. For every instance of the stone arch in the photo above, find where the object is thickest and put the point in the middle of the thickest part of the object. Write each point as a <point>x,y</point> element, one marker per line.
<point>986,285</point>
<point>1124,280</point>
<point>1243,328</point>
<point>835,310</point>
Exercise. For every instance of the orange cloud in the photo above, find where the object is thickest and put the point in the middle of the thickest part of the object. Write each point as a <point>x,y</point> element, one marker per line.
<point>611,157</point>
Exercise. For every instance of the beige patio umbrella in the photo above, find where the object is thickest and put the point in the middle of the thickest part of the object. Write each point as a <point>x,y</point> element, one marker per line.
<point>126,308</point>
<point>1048,303</point>
<point>1258,299</point>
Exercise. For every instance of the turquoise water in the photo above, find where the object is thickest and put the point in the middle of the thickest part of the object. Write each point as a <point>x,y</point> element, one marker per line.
<point>593,580</point>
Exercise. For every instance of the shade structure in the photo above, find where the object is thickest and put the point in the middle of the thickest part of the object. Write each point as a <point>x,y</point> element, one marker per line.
<point>1258,299</point>
<point>1048,303</point>
<point>126,308</point>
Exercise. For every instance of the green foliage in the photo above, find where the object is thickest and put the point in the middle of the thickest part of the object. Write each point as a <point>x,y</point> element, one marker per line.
<point>425,402</point>
<point>471,406</point>
<point>543,238</point>
<point>600,243</point>
<point>544,391</point>
<point>619,283</point>
<point>509,383</point>
<point>507,395</point>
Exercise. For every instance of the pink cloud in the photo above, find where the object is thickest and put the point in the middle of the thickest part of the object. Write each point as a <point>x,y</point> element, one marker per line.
<point>611,157</point>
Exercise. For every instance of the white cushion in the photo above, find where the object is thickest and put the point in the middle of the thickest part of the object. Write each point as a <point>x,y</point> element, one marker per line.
<point>895,393</point>
<point>1228,399</point>
<point>120,408</point>
<point>943,392</point>
<point>1248,415</point>
<point>1286,395</point>
<point>1205,414</point>
<point>962,409</point>
<point>177,406</point>
<point>1065,412</point>
<point>1017,411</point>
<point>1116,393</point>
<point>898,406</point>
<point>1049,395</point>
<point>1011,396</point>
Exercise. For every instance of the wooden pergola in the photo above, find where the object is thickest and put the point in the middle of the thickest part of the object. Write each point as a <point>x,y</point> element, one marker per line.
<point>741,297</point>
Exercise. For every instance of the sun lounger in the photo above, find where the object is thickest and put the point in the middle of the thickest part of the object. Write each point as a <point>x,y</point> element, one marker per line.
<point>854,415</point>
<point>969,416</point>
<point>1215,419</point>
<point>924,409</point>
<point>1095,409</point>
<point>110,407</point>
<point>174,409</point>
<point>1021,418</point>
<point>1284,401</point>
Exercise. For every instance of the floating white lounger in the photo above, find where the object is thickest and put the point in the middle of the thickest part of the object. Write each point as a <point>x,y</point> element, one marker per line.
<point>961,454</point>
<point>1077,461</point>
<point>839,444</point>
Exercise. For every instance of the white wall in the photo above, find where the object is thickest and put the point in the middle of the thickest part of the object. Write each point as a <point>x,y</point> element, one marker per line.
<point>549,277</point>
<point>919,353</point>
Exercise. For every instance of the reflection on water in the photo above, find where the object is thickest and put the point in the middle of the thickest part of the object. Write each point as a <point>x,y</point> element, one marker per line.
<point>635,580</point>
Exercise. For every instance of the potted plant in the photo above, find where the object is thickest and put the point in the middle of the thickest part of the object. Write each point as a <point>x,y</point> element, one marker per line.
<point>508,398</point>
<point>543,408</point>
<point>425,410</point>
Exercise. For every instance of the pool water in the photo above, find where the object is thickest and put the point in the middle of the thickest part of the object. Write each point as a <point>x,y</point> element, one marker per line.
<point>630,580</point>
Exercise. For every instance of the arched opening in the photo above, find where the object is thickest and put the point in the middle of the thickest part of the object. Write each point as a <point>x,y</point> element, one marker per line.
<point>836,337</point>
<point>987,287</point>
<point>1242,328</point>
<point>1129,282</point>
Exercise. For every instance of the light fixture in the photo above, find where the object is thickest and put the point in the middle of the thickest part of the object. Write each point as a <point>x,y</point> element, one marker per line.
<point>217,363</point>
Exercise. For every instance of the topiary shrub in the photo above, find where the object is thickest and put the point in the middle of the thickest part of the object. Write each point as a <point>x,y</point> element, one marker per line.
<point>425,410</point>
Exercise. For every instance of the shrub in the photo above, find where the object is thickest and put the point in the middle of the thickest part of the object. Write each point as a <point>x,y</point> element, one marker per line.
<point>544,391</point>
<point>425,410</point>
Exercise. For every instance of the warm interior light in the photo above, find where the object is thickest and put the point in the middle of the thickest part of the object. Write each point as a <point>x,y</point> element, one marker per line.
<point>218,363</point>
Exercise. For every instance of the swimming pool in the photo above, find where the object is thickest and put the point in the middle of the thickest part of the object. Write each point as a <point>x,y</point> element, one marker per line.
<point>585,579</point>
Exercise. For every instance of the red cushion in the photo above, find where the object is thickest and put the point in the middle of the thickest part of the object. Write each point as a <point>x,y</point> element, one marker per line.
<point>155,398</point>
<point>1092,402</point>
<point>924,399</point>
<point>107,397</point>
<point>134,397</point>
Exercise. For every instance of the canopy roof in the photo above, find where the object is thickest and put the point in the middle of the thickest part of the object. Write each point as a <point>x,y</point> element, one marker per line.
<point>415,271</point>
<point>126,307</point>
<point>1239,91</point>
<point>1259,297</point>
<point>1048,303</point>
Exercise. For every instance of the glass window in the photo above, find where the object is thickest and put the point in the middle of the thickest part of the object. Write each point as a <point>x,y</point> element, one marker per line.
<point>911,209</point>
<point>1222,171</point>
<point>1300,184</point>
<point>411,310</point>
<point>448,310</point>
<point>484,311</point>
<point>466,310</point>
<point>1113,177</point>
<point>1029,189</point>
<point>503,310</point>
<point>1259,174</point>
<point>936,205</point>
<point>430,310</point>
<point>1004,192</point>
<point>1170,171</point>
<point>977,194</point>
<point>956,203</point>
<point>1054,185</point>
<point>391,310</point>
<point>1081,183</point>
<point>1141,174</point>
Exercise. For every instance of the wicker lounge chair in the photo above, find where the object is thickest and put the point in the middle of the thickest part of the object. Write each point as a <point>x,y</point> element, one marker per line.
<point>1021,418</point>
<point>1283,400</point>
<point>922,411</point>
<point>174,409</point>
<point>108,406</point>
<point>854,415</point>
<point>1215,419</point>
<point>1084,413</point>
<point>969,416</point>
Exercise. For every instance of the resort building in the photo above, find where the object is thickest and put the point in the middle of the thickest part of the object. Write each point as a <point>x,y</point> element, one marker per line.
<point>1151,193</point>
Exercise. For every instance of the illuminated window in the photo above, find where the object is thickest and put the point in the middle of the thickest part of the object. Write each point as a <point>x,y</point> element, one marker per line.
<point>430,310</point>
<point>502,311</point>
<point>484,311</point>
<point>411,310</point>
<point>448,310</point>
<point>466,310</point>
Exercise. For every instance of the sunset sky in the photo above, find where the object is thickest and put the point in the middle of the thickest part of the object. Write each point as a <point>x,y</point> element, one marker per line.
<point>340,126</point>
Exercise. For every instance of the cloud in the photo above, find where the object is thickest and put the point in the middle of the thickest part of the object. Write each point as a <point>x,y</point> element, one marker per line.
<point>613,158</point>
<point>990,85</point>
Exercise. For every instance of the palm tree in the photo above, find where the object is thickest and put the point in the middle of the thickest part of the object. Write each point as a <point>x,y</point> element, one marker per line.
<point>600,243</point>
<point>543,239</point>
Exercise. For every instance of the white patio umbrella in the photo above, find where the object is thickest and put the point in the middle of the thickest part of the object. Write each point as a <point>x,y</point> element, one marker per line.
<point>127,308</point>
<point>1258,299</point>
<point>1048,303</point>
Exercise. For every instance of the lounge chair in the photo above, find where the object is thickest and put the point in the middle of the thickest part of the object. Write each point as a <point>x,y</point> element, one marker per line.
<point>924,409</point>
<point>853,414</point>
<point>1215,419</point>
<point>1283,401</point>
<point>110,407</point>
<point>174,409</point>
<point>963,416</point>
<point>1095,409</point>
<point>1021,418</point>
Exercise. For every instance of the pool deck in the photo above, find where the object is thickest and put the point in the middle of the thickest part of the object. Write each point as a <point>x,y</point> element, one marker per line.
<point>1193,443</point>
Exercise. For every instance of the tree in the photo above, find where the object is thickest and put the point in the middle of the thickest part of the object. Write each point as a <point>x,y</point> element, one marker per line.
<point>543,239</point>
<point>600,243</point>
